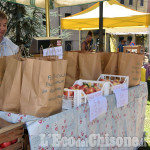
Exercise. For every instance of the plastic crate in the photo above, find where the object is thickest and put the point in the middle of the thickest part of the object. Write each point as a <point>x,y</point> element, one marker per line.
<point>10,132</point>
<point>106,77</point>
<point>76,100</point>
<point>79,97</point>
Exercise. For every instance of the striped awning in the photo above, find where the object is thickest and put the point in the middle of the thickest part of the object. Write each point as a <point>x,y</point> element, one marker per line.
<point>57,3</point>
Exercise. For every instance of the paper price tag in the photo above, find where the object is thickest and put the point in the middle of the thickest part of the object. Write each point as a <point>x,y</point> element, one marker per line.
<point>121,96</point>
<point>58,51</point>
<point>97,104</point>
<point>119,86</point>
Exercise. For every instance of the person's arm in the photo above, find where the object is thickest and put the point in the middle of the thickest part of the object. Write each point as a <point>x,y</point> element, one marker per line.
<point>117,49</point>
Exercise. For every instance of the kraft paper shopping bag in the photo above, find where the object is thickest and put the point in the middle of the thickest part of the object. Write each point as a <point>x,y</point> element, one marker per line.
<point>130,65</point>
<point>42,87</point>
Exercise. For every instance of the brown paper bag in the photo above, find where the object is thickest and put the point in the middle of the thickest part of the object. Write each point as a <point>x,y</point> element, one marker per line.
<point>3,60</point>
<point>105,56</point>
<point>130,65</point>
<point>11,86</point>
<point>90,66</point>
<point>112,64</point>
<point>72,73</point>
<point>42,87</point>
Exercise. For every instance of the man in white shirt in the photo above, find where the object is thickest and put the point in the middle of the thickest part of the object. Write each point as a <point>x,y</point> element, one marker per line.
<point>7,47</point>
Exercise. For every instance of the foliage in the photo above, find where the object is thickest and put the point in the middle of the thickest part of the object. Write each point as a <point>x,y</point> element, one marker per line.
<point>26,22</point>
<point>147,123</point>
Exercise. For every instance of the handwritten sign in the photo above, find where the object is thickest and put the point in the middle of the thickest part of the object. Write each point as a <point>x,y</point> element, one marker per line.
<point>121,96</point>
<point>119,86</point>
<point>97,104</point>
<point>58,51</point>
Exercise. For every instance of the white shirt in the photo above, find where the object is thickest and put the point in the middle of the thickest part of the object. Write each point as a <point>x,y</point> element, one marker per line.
<point>7,47</point>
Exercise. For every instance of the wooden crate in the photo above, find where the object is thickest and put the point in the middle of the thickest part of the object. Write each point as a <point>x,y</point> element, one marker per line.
<point>26,145</point>
<point>134,49</point>
<point>9,132</point>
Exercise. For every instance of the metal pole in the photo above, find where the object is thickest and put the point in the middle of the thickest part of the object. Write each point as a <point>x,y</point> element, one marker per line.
<point>79,40</point>
<point>149,41</point>
<point>105,40</point>
<point>101,26</point>
<point>47,10</point>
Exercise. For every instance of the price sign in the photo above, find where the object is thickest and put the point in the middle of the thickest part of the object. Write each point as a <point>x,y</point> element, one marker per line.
<point>121,96</point>
<point>97,104</point>
<point>119,86</point>
<point>58,51</point>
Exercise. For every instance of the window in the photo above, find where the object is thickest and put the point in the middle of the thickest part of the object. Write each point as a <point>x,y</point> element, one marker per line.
<point>130,2</point>
<point>129,39</point>
<point>141,2</point>
<point>68,45</point>
<point>122,1</point>
<point>67,14</point>
<point>120,39</point>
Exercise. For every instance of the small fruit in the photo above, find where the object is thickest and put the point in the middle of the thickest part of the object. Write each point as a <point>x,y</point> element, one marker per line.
<point>77,86</point>
<point>102,80</point>
<point>72,88</point>
<point>121,82</point>
<point>68,93</point>
<point>13,141</point>
<point>5,144</point>
<point>82,87</point>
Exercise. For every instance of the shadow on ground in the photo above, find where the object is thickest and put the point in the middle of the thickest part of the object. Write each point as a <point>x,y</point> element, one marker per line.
<point>145,147</point>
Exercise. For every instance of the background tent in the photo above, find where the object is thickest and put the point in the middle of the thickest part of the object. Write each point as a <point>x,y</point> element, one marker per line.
<point>114,15</point>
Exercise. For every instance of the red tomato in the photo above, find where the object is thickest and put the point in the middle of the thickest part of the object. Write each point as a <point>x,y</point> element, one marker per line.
<point>13,141</point>
<point>68,93</point>
<point>5,144</point>
<point>0,148</point>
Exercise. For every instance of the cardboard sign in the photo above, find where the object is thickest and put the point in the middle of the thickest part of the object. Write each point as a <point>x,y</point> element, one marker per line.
<point>97,104</point>
<point>121,96</point>
<point>55,51</point>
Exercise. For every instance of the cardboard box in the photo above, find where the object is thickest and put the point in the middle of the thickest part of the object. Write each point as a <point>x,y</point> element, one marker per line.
<point>134,49</point>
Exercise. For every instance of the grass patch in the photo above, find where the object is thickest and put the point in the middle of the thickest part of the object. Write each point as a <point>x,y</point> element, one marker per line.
<point>147,123</point>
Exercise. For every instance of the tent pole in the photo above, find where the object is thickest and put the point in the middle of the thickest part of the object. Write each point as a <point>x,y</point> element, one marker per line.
<point>101,26</point>
<point>79,40</point>
<point>47,10</point>
<point>105,40</point>
<point>149,41</point>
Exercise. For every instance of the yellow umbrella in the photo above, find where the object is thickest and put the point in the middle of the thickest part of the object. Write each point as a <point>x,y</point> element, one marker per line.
<point>46,4</point>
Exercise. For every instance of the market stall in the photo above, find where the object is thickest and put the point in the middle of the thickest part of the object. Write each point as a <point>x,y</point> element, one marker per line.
<point>36,96</point>
<point>127,121</point>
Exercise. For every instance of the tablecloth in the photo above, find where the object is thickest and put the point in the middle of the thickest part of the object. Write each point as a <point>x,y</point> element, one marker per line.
<point>74,125</point>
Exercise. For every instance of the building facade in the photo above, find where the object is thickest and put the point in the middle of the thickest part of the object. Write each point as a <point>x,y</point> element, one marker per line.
<point>140,5</point>
<point>72,41</point>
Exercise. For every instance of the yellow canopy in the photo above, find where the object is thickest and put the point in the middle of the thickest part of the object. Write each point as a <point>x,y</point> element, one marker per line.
<point>114,14</point>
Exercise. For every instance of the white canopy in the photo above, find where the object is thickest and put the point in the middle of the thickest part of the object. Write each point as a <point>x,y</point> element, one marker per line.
<point>114,15</point>
<point>127,30</point>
